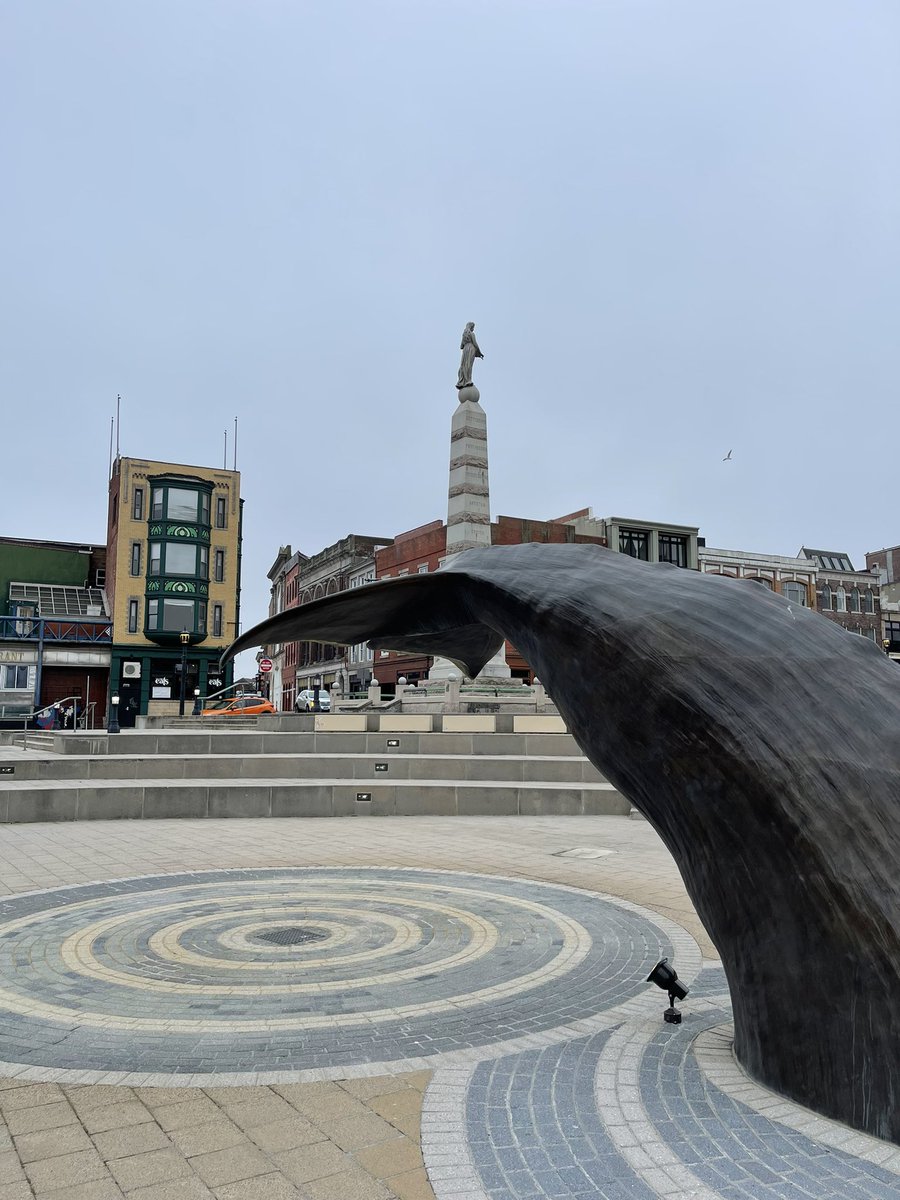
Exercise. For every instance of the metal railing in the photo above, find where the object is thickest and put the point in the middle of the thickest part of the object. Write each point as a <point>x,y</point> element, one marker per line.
<point>55,629</point>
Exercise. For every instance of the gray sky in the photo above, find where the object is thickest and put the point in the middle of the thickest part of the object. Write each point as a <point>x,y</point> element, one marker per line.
<point>675,225</point>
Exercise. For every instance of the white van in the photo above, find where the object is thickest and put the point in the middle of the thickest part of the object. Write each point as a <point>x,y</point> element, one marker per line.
<point>306,699</point>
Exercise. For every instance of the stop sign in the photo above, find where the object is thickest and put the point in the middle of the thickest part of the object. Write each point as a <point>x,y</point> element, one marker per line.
<point>265,665</point>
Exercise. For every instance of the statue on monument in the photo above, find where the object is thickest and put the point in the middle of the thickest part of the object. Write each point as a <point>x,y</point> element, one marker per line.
<point>470,351</point>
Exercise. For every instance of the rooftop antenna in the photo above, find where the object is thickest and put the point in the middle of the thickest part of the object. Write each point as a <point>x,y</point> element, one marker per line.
<point>225,455</point>
<point>112,421</point>
<point>235,443</point>
<point>118,406</point>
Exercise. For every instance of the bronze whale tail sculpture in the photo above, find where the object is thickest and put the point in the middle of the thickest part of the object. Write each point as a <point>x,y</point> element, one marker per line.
<point>761,741</point>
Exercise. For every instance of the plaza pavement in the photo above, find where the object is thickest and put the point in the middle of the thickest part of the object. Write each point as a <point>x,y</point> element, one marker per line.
<point>612,1104</point>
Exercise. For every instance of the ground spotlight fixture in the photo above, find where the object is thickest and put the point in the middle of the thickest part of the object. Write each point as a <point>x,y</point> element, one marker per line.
<point>666,977</point>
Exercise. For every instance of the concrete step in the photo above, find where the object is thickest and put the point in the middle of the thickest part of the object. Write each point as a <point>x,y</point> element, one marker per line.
<point>511,768</point>
<point>188,723</point>
<point>203,740</point>
<point>115,799</point>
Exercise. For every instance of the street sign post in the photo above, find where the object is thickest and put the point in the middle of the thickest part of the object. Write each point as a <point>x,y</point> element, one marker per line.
<point>265,665</point>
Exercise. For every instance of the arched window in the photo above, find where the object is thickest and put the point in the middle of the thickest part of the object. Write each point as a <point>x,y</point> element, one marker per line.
<point>854,599</point>
<point>796,593</point>
<point>827,598</point>
<point>759,579</point>
<point>841,600</point>
<point>870,600</point>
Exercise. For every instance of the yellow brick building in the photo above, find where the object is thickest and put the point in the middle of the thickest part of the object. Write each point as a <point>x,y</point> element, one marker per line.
<point>173,579</point>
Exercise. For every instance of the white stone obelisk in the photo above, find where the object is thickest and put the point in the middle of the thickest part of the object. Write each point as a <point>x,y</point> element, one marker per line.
<point>469,500</point>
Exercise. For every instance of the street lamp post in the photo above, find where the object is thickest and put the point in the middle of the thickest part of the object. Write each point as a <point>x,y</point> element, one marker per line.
<point>317,686</point>
<point>112,725</point>
<point>196,711</point>
<point>184,637</point>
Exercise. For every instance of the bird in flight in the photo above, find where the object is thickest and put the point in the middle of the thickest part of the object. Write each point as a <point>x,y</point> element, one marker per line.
<point>727,457</point>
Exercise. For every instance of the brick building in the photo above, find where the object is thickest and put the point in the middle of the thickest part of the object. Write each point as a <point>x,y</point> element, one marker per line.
<point>885,565</point>
<point>844,595</point>
<point>793,578</point>
<point>55,631</point>
<point>173,567</point>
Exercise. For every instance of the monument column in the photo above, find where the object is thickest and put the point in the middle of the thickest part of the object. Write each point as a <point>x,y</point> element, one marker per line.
<point>469,501</point>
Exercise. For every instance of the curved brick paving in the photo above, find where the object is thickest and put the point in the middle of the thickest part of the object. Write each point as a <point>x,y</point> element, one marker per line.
<point>639,1111</point>
<point>175,974</point>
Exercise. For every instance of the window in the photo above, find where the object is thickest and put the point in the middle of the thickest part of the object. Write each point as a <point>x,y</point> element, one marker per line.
<point>204,508</point>
<point>201,617</point>
<point>827,598</point>
<point>854,599</point>
<point>796,593</point>
<point>156,510</point>
<point>204,562</point>
<point>182,505</point>
<point>137,504</point>
<point>422,568</point>
<point>155,558</point>
<point>759,579</point>
<point>132,616</point>
<point>135,558</point>
<point>219,568</point>
<point>15,678</point>
<point>176,615</point>
<point>221,512</point>
<point>635,542</point>
<point>217,620</point>
<point>673,549</point>
<point>841,597</point>
<point>870,600</point>
<point>181,559</point>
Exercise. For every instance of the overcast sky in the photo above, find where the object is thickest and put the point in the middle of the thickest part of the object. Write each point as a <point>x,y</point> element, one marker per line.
<point>674,222</point>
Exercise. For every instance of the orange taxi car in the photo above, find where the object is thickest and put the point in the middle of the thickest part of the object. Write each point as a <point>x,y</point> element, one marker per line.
<point>243,706</point>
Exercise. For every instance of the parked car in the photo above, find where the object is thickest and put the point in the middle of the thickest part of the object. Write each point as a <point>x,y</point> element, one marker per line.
<point>243,706</point>
<point>306,701</point>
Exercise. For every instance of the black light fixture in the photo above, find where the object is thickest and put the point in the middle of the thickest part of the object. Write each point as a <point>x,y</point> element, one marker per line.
<point>112,724</point>
<point>317,687</point>
<point>184,637</point>
<point>666,977</point>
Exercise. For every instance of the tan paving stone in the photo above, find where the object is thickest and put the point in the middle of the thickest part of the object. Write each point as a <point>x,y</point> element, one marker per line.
<point>354,1184</point>
<point>49,1143</point>
<point>29,1096</point>
<point>10,1167</point>
<point>16,1191</point>
<point>135,1139</point>
<point>402,1110</point>
<point>156,1166</point>
<point>204,1139</point>
<point>413,1185</point>
<point>176,1189</point>
<point>48,1116</point>
<point>418,1079</point>
<point>264,1110</point>
<point>367,1129</point>
<point>229,1096</point>
<point>285,1135</point>
<point>66,1170</point>
<point>96,1189</point>
<point>156,1097</point>
<point>396,1157</point>
<point>192,1112</point>
<point>97,1095</point>
<point>375,1085</point>
<point>227,1166</point>
<point>311,1162</point>
<point>114,1116</point>
<point>263,1187</point>
<point>5,1138</point>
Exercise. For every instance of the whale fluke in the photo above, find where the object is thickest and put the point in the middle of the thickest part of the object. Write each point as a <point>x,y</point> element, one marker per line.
<point>761,740</point>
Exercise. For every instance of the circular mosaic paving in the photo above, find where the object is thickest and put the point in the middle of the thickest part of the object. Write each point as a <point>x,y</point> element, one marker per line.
<point>235,971</point>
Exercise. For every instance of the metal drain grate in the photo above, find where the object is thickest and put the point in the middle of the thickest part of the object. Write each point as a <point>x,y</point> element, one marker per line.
<point>292,935</point>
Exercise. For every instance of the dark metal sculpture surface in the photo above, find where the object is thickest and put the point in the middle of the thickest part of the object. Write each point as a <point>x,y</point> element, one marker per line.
<point>761,741</point>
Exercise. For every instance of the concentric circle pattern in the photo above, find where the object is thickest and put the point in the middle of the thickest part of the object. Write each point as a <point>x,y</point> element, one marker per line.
<point>235,971</point>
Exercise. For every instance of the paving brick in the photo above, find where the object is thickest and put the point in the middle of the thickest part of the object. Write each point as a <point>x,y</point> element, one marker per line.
<point>49,1143</point>
<point>285,1135</point>
<point>311,1162</point>
<point>135,1139</point>
<point>66,1170</point>
<point>114,1116</point>
<point>154,1166</point>
<point>228,1166</point>
<point>220,1134</point>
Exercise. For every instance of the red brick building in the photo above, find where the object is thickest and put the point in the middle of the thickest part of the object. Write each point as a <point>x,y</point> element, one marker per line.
<point>421,550</point>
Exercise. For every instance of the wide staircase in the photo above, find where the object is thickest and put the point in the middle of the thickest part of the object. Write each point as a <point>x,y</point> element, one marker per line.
<point>306,766</point>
